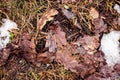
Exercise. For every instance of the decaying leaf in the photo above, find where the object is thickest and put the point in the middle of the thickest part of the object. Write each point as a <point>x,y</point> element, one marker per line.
<point>60,36</point>
<point>27,47</point>
<point>117,68</point>
<point>56,37</point>
<point>4,54</point>
<point>45,57</point>
<point>94,13</point>
<point>47,16</point>
<point>71,15</point>
<point>89,43</point>
<point>50,43</point>
<point>65,58</point>
<point>86,65</point>
<point>100,26</point>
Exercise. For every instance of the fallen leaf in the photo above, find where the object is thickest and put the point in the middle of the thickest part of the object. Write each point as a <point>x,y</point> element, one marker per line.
<point>117,68</point>
<point>45,57</point>
<point>100,26</point>
<point>27,47</point>
<point>4,54</point>
<point>107,73</point>
<point>68,1</point>
<point>93,77</point>
<point>86,65</point>
<point>71,15</point>
<point>60,36</point>
<point>90,1</point>
<point>89,43</point>
<point>94,13</point>
<point>64,57</point>
<point>50,43</point>
<point>47,16</point>
<point>56,37</point>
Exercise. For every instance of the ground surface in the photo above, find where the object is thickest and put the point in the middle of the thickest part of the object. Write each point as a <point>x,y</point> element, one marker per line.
<point>58,39</point>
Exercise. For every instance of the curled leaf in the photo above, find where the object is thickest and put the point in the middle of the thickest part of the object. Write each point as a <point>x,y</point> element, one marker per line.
<point>47,16</point>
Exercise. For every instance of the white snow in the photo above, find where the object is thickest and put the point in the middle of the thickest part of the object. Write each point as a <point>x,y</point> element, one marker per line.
<point>117,8</point>
<point>4,32</point>
<point>110,47</point>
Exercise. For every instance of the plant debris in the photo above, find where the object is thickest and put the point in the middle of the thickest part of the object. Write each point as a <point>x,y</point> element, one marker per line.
<point>59,40</point>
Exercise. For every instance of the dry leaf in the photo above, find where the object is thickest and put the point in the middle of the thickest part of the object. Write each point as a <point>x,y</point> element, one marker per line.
<point>94,13</point>
<point>86,65</point>
<point>45,57</point>
<point>89,43</point>
<point>56,37</point>
<point>50,43</point>
<point>27,47</point>
<point>100,26</point>
<point>64,57</point>
<point>60,36</point>
<point>4,54</point>
<point>47,16</point>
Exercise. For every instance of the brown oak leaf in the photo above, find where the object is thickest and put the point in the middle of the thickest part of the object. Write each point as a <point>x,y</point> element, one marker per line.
<point>27,47</point>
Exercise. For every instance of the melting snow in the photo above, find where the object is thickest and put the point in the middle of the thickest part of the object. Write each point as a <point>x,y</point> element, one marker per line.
<point>110,47</point>
<point>117,8</point>
<point>4,32</point>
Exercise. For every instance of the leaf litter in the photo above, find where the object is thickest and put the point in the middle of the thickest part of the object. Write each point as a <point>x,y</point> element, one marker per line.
<point>66,41</point>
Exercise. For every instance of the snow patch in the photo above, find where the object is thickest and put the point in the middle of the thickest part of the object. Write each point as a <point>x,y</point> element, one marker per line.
<point>110,47</point>
<point>4,32</point>
<point>117,8</point>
